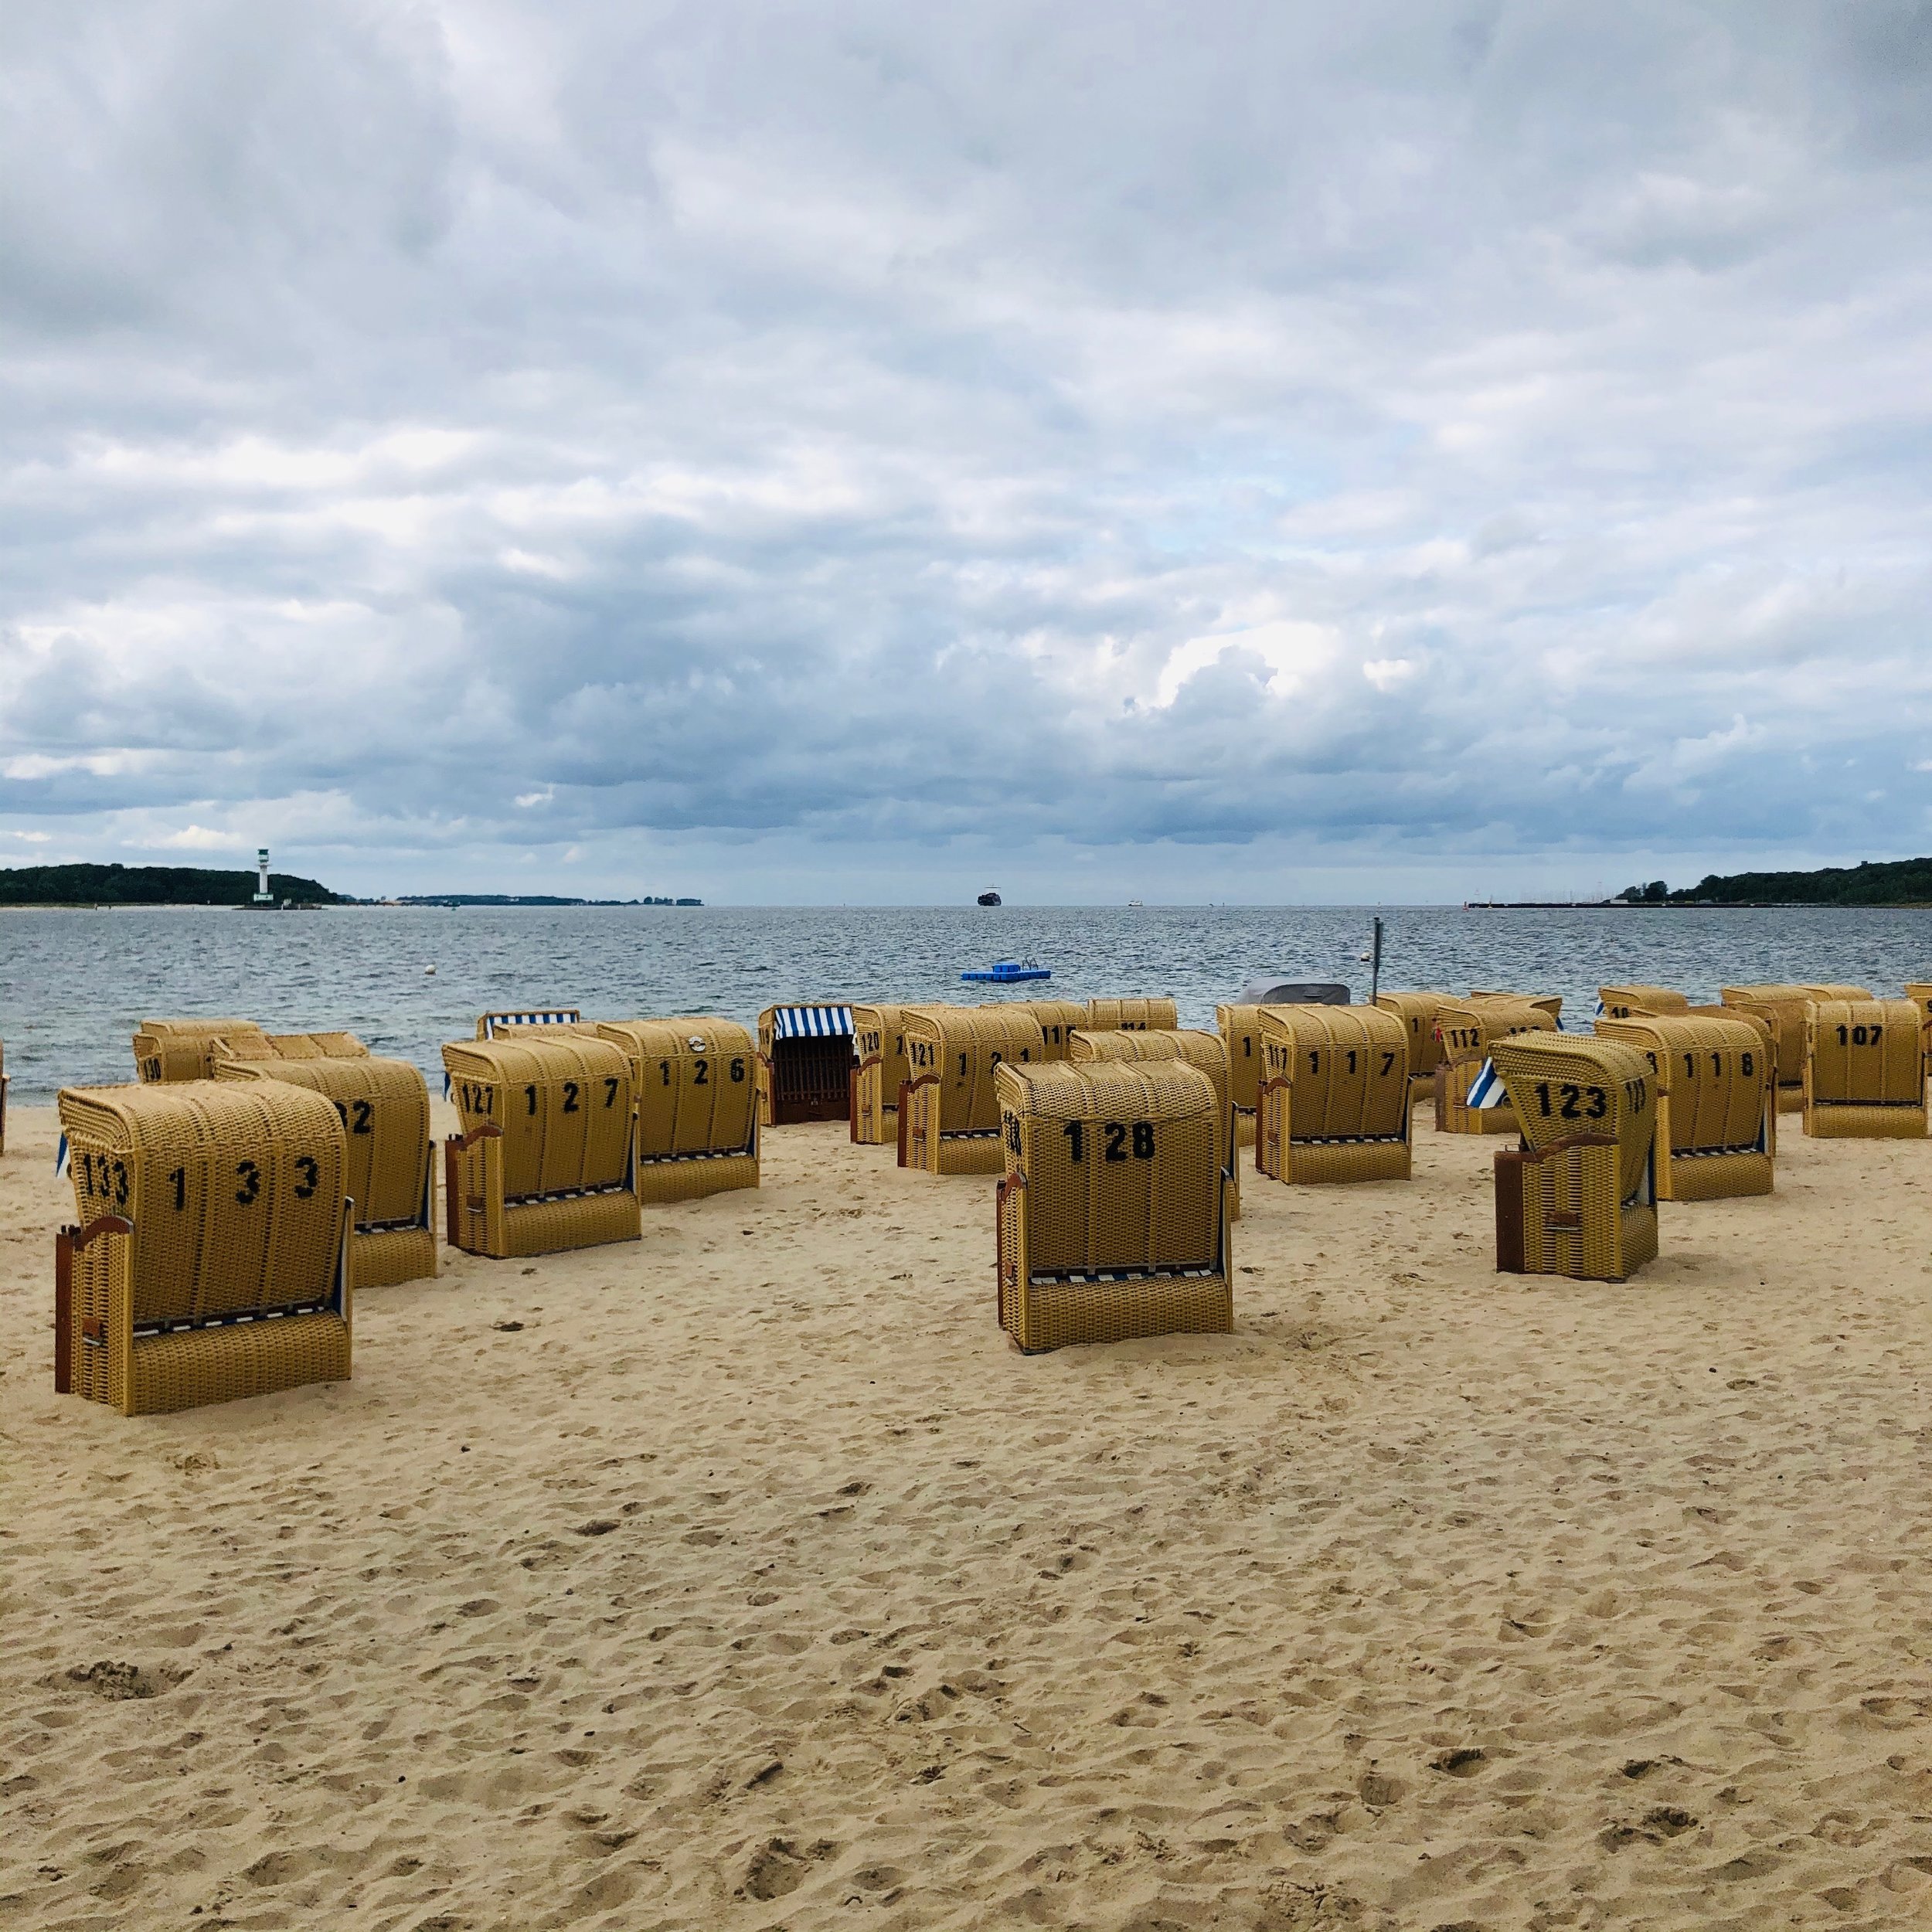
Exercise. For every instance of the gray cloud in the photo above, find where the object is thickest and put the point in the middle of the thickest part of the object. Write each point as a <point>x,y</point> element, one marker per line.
<point>827,454</point>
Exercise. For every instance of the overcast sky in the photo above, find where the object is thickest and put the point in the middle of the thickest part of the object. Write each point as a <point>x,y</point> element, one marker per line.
<point>1258,452</point>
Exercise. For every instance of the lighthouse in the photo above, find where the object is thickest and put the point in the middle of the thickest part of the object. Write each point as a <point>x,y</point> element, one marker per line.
<point>263,895</point>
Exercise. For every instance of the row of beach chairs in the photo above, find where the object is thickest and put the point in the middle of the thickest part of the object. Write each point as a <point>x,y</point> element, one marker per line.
<point>232,1200</point>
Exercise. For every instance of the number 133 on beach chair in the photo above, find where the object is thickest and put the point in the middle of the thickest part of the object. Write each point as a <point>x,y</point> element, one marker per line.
<point>1113,1218</point>
<point>1579,1196</point>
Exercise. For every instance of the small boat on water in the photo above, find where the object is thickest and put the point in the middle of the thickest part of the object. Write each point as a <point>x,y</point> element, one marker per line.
<point>989,897</point>
<point>1009,972</point>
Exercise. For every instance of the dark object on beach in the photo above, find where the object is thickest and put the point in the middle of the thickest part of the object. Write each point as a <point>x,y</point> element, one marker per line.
<point>1268,989</point>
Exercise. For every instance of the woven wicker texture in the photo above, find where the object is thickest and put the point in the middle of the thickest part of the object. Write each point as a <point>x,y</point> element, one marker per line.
<point>1717,1103</point>
<point>557,1173</point>
<point>384,1108</point>
<point>803,1078</point>
<point>1580,1198</point>
<point>1059,1019</point>
<point>1619,1002</point>
<point>1550,1003</point>
<point>695,1079</point>
<point>1130,1015</point>
<point>1113,1220</point>
<point>950,1108</point>
<point>1207,1051</point>
<point>1468,1029</point>
<point>879,1041</point>
<point>235,1194</point>
<point>1335,1098</point>
<point>1782,1008</point>
<point>1864,1070</point>
<point>167,1050</point>
<point>1240,1030</point>
<point>1418,1013</point>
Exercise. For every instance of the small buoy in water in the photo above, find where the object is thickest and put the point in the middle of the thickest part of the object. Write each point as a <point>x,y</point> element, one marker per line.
<point>431,971</point>
<point>1364,957</point>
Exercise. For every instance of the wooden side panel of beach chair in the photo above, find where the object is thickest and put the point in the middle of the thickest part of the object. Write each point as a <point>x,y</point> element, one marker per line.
<point>1864,1070</point>
<point>1113,1218</point>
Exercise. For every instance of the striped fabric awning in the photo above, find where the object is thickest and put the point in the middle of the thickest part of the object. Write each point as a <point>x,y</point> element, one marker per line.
<point>561,1016</point>
<point>1486,1089</point>
<point>810,1022</point>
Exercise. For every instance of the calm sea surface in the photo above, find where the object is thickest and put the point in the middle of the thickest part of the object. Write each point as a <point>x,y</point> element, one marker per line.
<point>74,985</point>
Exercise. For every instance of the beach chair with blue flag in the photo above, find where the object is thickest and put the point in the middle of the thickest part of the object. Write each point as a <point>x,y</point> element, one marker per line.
<point>1470,1096</point>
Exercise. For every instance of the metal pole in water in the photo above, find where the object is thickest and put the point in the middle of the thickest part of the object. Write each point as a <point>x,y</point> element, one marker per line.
<point>1375,969</point>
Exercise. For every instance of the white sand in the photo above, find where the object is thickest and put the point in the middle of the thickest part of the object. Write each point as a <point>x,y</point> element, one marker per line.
<point>755,1582</point>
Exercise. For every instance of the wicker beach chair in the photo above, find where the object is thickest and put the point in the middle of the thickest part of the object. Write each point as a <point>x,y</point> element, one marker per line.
<point>1130,1015</point>
<point>1114,1214</point>
<point>1334,1102</point>
<point>1418,1013</point>
<point>1619,1002</point>
<point>1578,1196</point>
<point>209,1261</point>
<point>1918,992</point>
<point>805,1063</point>
<point>1059,1020</point>
<point>695,1081</point>
<point>167,1050</point>
<point>879,1039</point>
<point>384,1108</point>
<point>1239,1027</point>
<point>1716,1102</point>
<point>949,1120</point>
<point>1468,1029</point>
<point>1864,1070</point>
<point>1783,1008</point>
<point>1550,1003</point>
<point>1207,1051</point>
<point>547,1157</point>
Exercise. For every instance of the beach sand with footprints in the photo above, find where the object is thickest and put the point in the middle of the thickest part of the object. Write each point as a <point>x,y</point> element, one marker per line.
<point>746,1577</point>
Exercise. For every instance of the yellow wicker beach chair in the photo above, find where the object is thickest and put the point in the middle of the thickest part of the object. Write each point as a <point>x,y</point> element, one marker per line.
<point>696,1084</point>
<point>166,1050</point>
<point>1114,1213</point>
<point>1207,1051</point>
<point>1130,1015</point>
<point>949,1119</point>
<point>209,1261</point>
<point>1059,1020</point>
<point>1716,1102</point>
<point>879,1039</point>
<point>1240,1030</point>
<point>1334,1101</point>
<point>1418,1013</point>
<point>804,1064</point>
<point>1578,1197</point>
<point>1918,992</point>
<point>1550,1003</point>
<point>1468,1029</point>
<point>547,1157</point>
<point>1783,1007</point>
<point>1864,1070</point>
<point>1619,1002</point>
<point>547,1019</point>
<point>384,1108</point>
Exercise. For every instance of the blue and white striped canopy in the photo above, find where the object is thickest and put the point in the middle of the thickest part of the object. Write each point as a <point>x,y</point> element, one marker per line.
<point>1486,1089</point>
<point>810,1022</point>
<point>562,1016</point>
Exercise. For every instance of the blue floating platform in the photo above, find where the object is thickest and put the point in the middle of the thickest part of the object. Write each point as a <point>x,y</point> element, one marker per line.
<point>1008,972</point>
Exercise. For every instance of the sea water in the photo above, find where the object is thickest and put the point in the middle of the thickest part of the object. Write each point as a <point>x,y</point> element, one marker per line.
<point>75,984</point>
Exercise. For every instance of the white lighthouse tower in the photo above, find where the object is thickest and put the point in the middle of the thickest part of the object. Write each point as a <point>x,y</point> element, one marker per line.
<point>263,895</point>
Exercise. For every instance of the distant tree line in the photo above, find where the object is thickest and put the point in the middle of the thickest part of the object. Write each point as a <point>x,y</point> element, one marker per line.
<point>150,885</point>
<point>1892,882</point>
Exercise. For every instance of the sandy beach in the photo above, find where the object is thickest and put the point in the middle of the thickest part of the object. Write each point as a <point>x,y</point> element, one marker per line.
<point>747,1578</point>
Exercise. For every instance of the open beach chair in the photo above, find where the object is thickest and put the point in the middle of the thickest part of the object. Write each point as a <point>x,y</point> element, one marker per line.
<point>805,1063</point>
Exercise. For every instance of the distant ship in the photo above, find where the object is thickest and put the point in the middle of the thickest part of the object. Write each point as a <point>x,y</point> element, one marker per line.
<point>1133,905</point>
<point>989,897</point>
